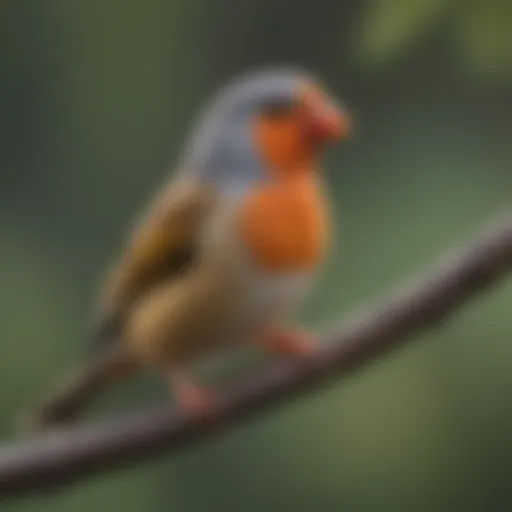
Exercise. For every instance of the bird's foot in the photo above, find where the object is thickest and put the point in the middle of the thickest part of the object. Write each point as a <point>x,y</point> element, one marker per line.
<point>289,343</point>
<point>191,396</point>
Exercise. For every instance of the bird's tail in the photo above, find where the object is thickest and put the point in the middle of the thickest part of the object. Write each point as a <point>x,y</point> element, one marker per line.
<point>74,394</point>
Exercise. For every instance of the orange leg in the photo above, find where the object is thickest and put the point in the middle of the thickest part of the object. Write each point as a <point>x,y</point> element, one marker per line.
<point>288,343</point>
<point>191,396</point>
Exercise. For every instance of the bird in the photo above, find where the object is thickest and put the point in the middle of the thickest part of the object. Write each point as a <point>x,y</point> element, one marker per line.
<point>228,247</point>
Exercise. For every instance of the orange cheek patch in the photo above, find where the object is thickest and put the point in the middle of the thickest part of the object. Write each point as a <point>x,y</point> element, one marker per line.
<point>279,140</point>
<point>285,226</point>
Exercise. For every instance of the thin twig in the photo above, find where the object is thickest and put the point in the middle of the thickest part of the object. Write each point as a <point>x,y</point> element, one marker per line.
<point>61,457</point>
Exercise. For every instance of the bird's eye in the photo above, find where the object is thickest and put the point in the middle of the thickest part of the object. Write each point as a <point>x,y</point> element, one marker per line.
<point>278,108</point>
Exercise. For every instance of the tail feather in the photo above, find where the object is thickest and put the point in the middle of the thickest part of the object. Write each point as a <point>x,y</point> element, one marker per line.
<point>64,404</point>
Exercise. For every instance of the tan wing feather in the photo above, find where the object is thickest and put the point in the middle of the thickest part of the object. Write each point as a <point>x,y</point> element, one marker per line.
<point>161,246</point>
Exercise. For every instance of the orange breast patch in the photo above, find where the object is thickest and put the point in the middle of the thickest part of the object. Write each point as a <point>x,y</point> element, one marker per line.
<point>285,224</point>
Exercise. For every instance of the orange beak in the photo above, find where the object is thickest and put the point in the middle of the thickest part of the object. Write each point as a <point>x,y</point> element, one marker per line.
<point>325,121</point>
<point>328,123</point>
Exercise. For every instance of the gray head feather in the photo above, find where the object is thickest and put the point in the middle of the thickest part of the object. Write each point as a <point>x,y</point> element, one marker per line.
<point>221,149</point>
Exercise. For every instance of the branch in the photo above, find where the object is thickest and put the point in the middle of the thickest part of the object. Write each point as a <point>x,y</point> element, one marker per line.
<point>61,457</point>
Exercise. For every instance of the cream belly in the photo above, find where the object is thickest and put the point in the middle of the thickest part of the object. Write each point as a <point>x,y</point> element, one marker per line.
<point>260,299</point>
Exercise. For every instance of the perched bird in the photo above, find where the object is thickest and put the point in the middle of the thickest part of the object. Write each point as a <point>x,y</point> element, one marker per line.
<point>228,247</point>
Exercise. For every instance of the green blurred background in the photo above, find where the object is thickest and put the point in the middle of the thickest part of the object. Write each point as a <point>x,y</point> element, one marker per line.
<point>96,97</point>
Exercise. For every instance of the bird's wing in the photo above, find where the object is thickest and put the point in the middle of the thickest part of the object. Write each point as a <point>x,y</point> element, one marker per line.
<point>162,245</point>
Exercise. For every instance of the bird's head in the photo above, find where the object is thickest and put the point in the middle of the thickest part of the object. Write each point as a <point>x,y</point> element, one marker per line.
<point>268,123</point>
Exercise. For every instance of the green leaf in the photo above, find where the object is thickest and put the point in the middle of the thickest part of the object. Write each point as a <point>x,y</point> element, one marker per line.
<point>484,35</point>
<point>390,26</point>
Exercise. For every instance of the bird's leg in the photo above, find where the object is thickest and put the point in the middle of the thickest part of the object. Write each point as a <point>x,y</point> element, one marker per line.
<point>288,342</point>
<point>190,395</point>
